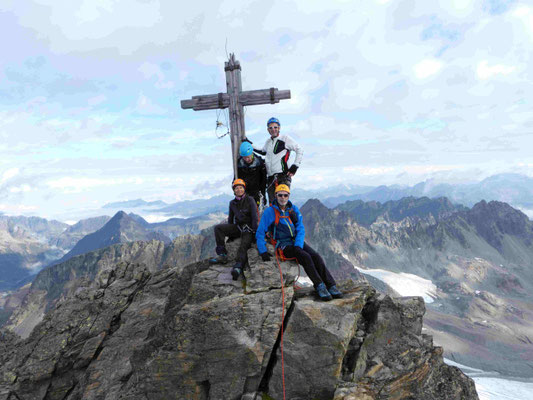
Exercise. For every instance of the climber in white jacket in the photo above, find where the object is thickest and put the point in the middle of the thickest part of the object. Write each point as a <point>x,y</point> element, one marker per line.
<point>277,150</point>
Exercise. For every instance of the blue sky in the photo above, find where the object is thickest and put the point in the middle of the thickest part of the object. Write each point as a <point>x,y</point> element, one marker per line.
<point>382,92</point>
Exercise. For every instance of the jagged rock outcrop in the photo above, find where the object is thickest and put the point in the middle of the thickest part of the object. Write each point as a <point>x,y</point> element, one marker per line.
<point>63,279</point>
<point>138,332</point>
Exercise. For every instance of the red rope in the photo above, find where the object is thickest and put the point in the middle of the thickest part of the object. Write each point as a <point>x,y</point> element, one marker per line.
<point>282,318</point>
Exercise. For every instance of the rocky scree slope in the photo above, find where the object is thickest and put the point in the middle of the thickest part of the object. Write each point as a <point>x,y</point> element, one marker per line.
<point>139,332</point>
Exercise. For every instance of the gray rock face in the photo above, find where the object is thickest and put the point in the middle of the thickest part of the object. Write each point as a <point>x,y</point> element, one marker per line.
<point>64,279</point>
<point>138,332</point>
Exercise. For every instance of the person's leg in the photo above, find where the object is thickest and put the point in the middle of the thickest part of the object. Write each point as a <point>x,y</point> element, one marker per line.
<point>221,232</point>
<point>320,266</point>
<point>323,272</point>
<point>305,260</point>
<point>284,180</point>
<point>242,254</point>
<point>271,188</point>
<point>246,242</point>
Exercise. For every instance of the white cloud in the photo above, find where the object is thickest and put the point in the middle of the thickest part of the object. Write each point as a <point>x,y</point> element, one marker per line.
<point>79,184</point>
<point>14,209</point>
<point>146,106</point>
<point>21,188</point>
<point>486,71</point>
<point>409,169</point>
<point>525,14</point>
<point>8,174</point>
<point>150,70</point>
<point>93,101</point>
<point>426,68</point>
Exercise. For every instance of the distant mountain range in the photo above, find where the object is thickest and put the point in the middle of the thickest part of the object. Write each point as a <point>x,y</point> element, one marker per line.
<point>122,228</point>
<point>27,244</point>
<point>514,189</point>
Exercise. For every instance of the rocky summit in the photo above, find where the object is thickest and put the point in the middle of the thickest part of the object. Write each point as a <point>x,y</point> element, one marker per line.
<point>191,332</point>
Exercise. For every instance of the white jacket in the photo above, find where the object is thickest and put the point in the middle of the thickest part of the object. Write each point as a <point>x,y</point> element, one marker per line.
<point>277,152</point>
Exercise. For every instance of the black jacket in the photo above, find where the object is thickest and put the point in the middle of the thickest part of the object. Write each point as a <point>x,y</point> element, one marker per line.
<point>243,213</point>
<point>254,175</point>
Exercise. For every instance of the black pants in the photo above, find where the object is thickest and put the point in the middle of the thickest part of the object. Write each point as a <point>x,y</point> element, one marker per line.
<point>222,231</point>
<point>273,181</point>
<point>312,262</point>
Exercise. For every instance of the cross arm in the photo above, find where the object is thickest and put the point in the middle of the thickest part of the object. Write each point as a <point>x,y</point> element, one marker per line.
<point>263,96</point>
<point>207,102</point>
<point>248,98</point>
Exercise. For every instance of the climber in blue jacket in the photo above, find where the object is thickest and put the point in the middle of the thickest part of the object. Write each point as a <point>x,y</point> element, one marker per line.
<point>284,222</point>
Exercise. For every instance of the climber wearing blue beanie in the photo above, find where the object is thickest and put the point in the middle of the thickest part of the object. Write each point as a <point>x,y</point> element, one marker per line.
<point>251,169</point>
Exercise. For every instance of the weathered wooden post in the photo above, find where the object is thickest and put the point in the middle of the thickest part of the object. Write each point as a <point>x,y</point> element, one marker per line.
<point>235,99</point>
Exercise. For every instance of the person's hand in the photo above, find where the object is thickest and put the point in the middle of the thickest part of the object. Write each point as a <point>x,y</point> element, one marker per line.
<point>266,256</point>
<point>292,170</point>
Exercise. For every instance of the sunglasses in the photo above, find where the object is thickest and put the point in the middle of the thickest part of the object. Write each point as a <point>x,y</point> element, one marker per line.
<point>282,195</point>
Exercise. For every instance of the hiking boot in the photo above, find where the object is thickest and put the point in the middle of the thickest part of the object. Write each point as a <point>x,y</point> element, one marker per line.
<point>334,292</point>
<point>323,292</point>
<point>236,271</point>
<point>220,259</point>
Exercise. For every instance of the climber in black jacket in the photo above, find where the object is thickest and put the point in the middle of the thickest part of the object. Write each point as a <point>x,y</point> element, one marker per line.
<point>251,169</point>
<point>242,222</point>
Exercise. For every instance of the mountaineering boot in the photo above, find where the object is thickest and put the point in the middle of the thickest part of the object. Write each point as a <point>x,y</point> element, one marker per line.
<point>220,259</point>
<point>236,271</point>
<point>334,292</point>
<point>323,292</point>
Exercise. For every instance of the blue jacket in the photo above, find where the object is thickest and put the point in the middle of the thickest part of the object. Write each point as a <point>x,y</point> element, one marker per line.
<point>287,232</point>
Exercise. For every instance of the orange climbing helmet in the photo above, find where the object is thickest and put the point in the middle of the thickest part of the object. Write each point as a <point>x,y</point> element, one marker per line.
<point>237,182</point>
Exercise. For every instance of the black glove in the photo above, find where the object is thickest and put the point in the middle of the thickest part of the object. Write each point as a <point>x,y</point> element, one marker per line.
<point>266,256</point>
<point>293,169</point>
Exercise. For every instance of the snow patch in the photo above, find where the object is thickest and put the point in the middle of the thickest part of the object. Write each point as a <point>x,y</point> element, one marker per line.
<point>492,386</point>
<point>405,284</point>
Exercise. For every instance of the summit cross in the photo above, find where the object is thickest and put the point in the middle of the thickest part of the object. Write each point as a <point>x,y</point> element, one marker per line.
<point>235,99</point>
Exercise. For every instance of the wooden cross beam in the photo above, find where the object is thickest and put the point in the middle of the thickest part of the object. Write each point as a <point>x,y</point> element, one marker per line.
<point>235,99</point>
